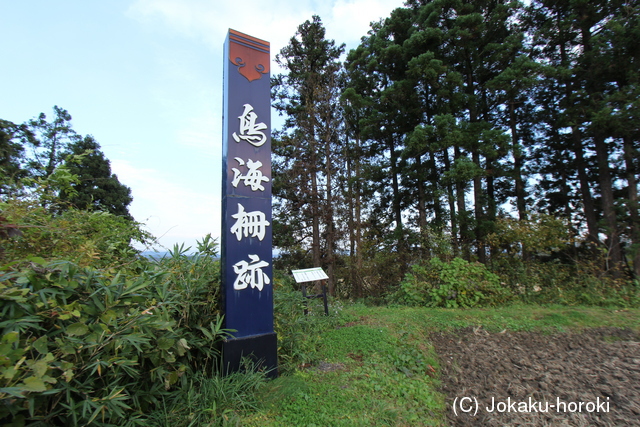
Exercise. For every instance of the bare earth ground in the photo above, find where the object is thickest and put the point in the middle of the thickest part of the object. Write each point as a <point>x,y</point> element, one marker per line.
<point>573,367</point>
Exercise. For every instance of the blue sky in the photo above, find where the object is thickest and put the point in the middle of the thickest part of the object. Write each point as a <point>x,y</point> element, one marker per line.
<point>144,77</point>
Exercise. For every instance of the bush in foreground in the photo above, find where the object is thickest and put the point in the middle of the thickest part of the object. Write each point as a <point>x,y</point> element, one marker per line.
<point>82,345</point>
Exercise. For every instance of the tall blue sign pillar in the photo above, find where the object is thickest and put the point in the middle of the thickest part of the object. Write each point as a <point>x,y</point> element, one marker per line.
<point>246,254</point>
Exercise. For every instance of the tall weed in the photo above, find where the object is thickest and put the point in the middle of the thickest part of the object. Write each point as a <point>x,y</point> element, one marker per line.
<point>299,335</point>
<point>211,400</point>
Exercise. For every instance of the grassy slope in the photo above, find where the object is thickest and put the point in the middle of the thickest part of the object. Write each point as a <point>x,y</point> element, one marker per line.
<point>379,368</point>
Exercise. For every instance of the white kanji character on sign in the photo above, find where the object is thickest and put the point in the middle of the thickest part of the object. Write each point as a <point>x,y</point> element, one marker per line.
<point>253,178</point>
<point>250,131</point>
<point>250,274</point>
<point>249,224</point>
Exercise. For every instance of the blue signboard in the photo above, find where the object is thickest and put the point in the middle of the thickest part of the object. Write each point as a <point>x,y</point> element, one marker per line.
<point>246,249</point>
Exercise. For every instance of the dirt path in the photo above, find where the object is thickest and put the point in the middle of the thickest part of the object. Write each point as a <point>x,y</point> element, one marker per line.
<point>499,371</point>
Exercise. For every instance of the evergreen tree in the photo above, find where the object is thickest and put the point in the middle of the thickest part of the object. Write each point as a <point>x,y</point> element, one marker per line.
<point>97,188</point>
<point>12,169</point>
<point>48,141</point>
<point>578,41</point>
<point>305,166</point>
<point>43,150</point>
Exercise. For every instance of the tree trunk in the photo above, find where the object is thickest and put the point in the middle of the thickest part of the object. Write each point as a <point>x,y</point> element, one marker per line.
<point>351,196</point>
<point>462,212</point>
<point>629,155</point>
<point>478,209</point>
<point>315,206</point>
<point>329,213</point>
<point>587,200</point>
<point>608,205</point>
<point>397,210</point>
<point>452,206</point>
<point>437,208</point>
<point>517,165</point>
<point>422,210</point>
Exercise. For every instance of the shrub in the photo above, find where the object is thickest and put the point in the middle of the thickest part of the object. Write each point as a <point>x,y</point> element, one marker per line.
<point>543,261</point>
<point>99,239</point>
<point>452,284</point>
<point>539,236</point>
<point>87,346</point>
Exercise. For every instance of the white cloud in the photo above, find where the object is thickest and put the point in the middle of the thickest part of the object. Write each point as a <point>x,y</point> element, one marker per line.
<point>276,21</point>
<point>350,19</point>
<point>202,137</point>
<point>209,21</point>
<point>177,213</point>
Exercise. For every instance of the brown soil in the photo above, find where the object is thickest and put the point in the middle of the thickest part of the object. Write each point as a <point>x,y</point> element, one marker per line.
<point>528,367</point>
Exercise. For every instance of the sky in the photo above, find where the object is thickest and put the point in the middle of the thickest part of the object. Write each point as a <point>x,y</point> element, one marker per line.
<point>144,77</point>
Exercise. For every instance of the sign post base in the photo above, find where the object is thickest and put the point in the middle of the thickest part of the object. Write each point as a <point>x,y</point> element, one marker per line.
<point>260,349</point>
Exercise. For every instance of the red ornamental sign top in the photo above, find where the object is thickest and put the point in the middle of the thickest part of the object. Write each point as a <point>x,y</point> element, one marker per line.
<point>250,54</point>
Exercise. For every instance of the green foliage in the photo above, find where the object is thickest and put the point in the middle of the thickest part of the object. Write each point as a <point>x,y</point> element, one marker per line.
<point>541,261</point>
<point>540,235</point>
<point>47,160</point>
<point>580,283</point>
<point>299,335</point>
<point>96,187</point>
<point>211,400</point>
<point>452,284</point>
<point>370,372</point>
<point>103,347</point>
<point>195,282</point>
<point>94,238</point>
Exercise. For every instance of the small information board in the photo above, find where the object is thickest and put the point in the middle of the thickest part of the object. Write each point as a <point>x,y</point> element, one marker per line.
<point>309,275</point>
<point>312,275</point>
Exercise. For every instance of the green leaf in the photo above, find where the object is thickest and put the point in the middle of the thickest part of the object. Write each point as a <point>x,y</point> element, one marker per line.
<point>165,343</point>
<point>41,345</point>
<point>77,329</point>
<point>183,347</point>
<point>109,316</point>
<point>13,391</point>
<point>66,348</point>
<point>10,337</point>
<point>9,372</point>
<point>34,384</point>
<point>68,370</point>
<point>134,287</point>
<point>40,368</point>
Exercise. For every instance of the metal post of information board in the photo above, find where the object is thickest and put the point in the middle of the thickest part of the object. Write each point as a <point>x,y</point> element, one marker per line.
<point>312,275</point>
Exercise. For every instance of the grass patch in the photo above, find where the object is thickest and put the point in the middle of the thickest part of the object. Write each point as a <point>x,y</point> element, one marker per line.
<point>369,374</point>
<point>518,317</point>
<point>361,340</point>
<point>211,401</point>
<point>375,366</point>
